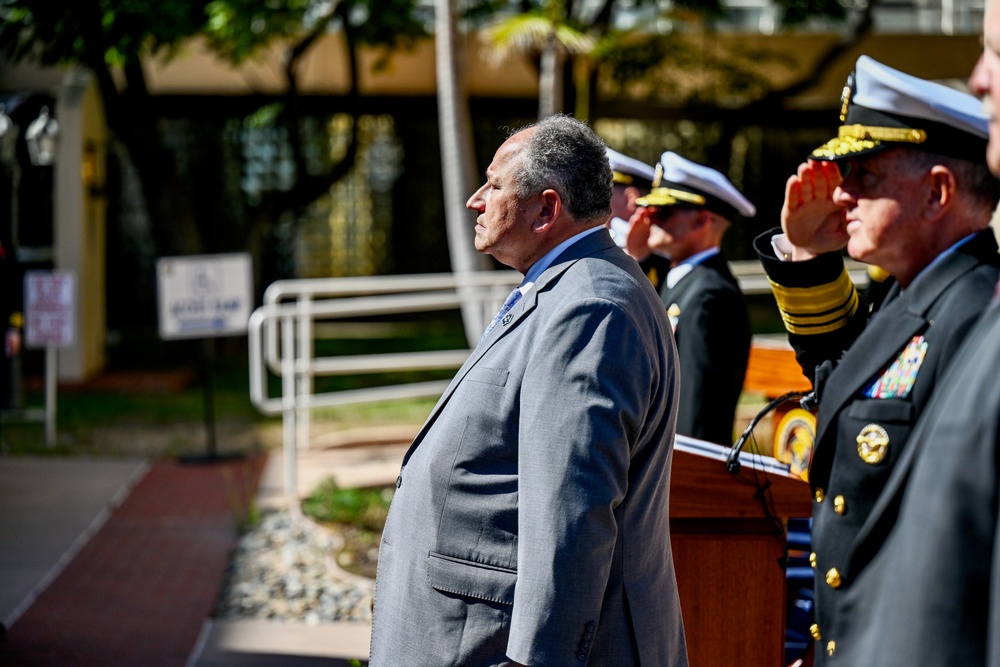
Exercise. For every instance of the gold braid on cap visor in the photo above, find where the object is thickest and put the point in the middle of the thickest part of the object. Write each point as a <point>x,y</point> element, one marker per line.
<point>856,138</point>
<point>620,178</point>
<point>669,197</point>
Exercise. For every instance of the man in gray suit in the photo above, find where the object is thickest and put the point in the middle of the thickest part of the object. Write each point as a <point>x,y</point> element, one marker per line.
<point>529,525</point>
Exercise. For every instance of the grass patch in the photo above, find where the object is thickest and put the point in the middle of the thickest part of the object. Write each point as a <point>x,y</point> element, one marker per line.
<point>378,413</point>
<point>358,515</point>
<point>363,508</point>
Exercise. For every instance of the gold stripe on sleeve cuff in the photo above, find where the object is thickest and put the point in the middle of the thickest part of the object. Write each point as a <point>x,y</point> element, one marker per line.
<point>815,310</point>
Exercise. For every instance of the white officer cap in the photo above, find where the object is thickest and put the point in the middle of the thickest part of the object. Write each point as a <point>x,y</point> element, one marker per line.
<point>626,170</point>
<point>883,107</point>
<point>680,182</point>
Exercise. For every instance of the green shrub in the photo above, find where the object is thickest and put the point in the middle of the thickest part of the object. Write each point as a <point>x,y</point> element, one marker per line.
<point>365,509</point>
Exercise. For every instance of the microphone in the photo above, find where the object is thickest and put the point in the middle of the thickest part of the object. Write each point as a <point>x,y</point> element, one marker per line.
<point>807,399</point>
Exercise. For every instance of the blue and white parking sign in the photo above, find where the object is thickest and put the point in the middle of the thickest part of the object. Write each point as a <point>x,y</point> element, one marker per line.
<point>204,296</point>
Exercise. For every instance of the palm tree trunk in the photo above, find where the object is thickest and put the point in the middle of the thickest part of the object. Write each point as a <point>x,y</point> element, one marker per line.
<point>550,79</point>
<point>457,162</point>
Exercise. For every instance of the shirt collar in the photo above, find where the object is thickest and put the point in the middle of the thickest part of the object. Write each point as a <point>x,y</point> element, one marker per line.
<point>944,254</point>
<point>698,258</point>
<point>539,267</point>
<point>675,274</point>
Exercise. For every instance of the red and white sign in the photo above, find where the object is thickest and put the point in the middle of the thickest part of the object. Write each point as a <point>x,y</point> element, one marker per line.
<point>49,308</point>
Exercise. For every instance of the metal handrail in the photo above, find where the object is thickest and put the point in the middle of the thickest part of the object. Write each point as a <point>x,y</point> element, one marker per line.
<point>281,332</point>
<point>281,338</point>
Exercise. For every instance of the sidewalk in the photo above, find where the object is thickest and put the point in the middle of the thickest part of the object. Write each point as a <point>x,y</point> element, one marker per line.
<point>118,563</point>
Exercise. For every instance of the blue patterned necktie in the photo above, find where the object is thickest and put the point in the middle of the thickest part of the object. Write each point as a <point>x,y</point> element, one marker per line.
<point>512,298</point>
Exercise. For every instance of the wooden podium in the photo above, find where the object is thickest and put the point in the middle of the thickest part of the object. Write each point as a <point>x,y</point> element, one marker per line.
<point>727,555</point>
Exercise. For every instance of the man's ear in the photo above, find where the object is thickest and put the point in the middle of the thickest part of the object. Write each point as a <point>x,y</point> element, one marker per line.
<point>941,192</point>
<point>549,211</point>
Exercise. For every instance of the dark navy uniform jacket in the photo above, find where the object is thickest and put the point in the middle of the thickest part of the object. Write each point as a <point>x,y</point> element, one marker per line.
<point>712,330</point>
<point>926,592</point>
<point>872,378</point>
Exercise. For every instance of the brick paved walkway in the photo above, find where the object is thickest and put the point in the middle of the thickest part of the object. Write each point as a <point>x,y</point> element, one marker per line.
<point>139,591</point>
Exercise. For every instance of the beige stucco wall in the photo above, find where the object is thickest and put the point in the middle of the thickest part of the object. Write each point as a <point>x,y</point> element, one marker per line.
<point>324,71</point>
<point>412,72</point>
<point>80,219</point>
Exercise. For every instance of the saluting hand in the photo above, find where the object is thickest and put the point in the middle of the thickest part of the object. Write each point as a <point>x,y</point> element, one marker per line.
<point>812,221</point>
<point>637,242</point>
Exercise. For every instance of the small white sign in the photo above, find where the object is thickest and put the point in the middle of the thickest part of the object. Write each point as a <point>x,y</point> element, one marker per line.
<point>49,308</point>
<point>203,296</point>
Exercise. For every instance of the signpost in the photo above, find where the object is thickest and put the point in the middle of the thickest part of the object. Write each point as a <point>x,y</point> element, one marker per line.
<point>49,323</point>
<point>205,296</point>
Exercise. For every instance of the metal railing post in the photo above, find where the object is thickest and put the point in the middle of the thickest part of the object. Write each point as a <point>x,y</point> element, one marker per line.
<point>304,375</point>
<point>289,409</point>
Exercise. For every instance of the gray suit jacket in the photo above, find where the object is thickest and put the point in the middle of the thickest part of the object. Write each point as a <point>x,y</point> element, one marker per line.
<point>530,517</point>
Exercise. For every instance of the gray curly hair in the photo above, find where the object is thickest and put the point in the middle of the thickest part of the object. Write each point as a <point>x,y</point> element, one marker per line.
<point>564,154</point>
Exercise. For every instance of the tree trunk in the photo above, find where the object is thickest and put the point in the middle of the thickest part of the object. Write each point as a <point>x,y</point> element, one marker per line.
<point>457,162</point>
<point>550,79</point>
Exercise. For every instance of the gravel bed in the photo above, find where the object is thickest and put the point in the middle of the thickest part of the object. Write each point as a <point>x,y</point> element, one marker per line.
<point>285,569</point>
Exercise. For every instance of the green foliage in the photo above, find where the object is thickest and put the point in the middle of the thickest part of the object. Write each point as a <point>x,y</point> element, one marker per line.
<point>58,31</point>
<point>123,31</point>
<point>383,413</point>
<point>238,28</point>
<point>363,508</point>
<point>725,79</point>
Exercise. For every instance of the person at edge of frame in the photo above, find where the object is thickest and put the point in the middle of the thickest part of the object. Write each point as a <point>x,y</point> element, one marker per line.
<point>903,186</point>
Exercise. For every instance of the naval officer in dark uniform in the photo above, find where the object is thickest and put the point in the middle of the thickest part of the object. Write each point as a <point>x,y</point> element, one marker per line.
<point>930,594</point>
<point>903,186</point>
<point>684,217</point>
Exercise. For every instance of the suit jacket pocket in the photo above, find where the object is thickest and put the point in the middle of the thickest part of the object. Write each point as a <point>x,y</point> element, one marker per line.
<point>487,375</point>
<point>471,579</point>
<point>891,410</point>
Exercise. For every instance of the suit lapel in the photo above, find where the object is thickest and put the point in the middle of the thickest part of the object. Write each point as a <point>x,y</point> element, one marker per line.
<point>588,245</point>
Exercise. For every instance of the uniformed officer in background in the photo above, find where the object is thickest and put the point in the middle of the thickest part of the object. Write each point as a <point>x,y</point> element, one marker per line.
<point>684,217</point>
<point>903,186</point>
<point>631,179</point>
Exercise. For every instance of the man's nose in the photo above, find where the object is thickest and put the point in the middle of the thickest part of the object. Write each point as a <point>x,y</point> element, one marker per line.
<point>979,80</point>
<point>841,196</point>
<point>475,202</point>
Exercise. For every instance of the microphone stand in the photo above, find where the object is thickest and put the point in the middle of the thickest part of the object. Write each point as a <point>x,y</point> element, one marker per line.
<point>733,460</point>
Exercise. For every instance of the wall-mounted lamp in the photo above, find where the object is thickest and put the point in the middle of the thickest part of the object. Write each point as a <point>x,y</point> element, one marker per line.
<point>42,137</point>
<point>90,170</point>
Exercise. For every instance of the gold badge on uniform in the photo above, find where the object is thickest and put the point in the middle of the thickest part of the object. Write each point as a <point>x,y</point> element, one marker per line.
<point>674,313</point>
<point>873,444</point>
